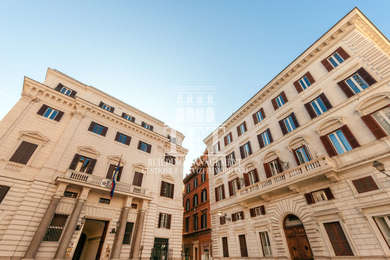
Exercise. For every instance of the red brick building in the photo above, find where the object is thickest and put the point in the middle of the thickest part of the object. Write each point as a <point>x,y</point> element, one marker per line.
<point>196,219</point>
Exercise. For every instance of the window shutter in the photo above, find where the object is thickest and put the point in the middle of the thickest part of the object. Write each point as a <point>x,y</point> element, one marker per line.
<point>104,132</point>
<point>309,198</point>
<point>219,146</point>
<point>374,127</point>
<point>223,191</point>
<point>270,136</point>
<point>283,127</point>
<point>110,171</point>
<point>225,140</point>
<point>137,180</point>
<point>117,136</point>
<point>296,157</point>
<point>284,96</point>
<point>59,116</point>
<point>310,110</point>
<point>101,104</point>
<point>261,143</point>
<point>42,110</point>
<point>3,191</point>
<point>151,128</point>
<point>159,220</point>
<point>73,93</point>
<point>350,137</point>
<point>112,109</point>
<point>148,150</point>
<point>329,193</point>
<point>128,139</point>
<point>91,126</point>
<point>172,190</point>
<point>366,76</point>
<point>262,210</point>
<point>221,220</point>
<point>279,165</point>
<point>307,152</point>
<point>162,188</point>
<point>234,217</point>
<point>262,112</point>
<point>328,145</point>
<point>326,101</point>
<point>230,188</point>
<point>256,175</point>
<point>252,212</point>
<point>274,104</point>
<point>238,183</point>
<point>225,247</point>
<point>241,213</point>
<point>238,131</point>
<point>242,152</point>
<point>365,184</point>
<point>245,126</point>
<point>216,194</point>
<point>338,239</point>
<point>310,77</point>
<point>118,177</point>
<point>24,152</point>
<point>294,118</point>
<point>255,121</point>
<point>342,53</point>
<point>169,221</point>
<point>59,86</point>
<point>91,166</point>
<point>267,170</point>
<point>327,64</point>
<point>246,179</point>
<point>74,162</point>
<point>298,86</point>
<point>344,87</point>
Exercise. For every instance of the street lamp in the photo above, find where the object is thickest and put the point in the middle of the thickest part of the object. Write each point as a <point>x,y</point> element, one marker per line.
<point>380,167</point>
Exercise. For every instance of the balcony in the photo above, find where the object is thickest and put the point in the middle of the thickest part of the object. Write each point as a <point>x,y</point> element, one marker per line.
<point>287,179</point>
<point>100,183</point>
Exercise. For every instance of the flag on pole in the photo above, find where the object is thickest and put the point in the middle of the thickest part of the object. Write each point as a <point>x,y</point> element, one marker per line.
<point>114,177</point>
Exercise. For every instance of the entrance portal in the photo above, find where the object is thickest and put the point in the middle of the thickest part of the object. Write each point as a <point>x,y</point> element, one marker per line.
<point>160,249</point>
<point>90,245</point>
<point>297,241</point>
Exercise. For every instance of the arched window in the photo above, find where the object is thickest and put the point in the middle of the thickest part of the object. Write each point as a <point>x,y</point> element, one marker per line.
<point>203,195</point>
<point>195,200</point>
<point>187,205</point>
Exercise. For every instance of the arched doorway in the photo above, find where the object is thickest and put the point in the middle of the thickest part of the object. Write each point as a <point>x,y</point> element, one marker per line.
<point>297,241</point>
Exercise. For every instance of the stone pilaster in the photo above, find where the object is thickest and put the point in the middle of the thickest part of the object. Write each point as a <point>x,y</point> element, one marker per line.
<point>116,247</point>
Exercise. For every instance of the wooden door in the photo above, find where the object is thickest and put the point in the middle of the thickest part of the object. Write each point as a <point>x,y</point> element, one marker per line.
<point>298,243</point>
<point>338,239</point>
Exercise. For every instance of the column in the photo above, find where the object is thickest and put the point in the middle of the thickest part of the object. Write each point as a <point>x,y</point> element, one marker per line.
<point>139,224</point>
<point>116,247</point>
<point>71,226</point>
<point>45,222</point>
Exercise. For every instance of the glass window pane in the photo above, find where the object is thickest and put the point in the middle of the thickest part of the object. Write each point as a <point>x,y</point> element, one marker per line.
<point>352,85</point>
<point>336,143</point>
<point>54,114</point>
<point>338,57</point>
<point>316,108</point>
<point>334,63</point>
<point>47,112</point>
<point>321,104</point>
<point>306,81</point>
<point>344,140</point>
<point>360,81</point>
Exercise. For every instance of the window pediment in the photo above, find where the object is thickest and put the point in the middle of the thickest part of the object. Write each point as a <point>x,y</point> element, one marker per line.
<point>34,136</point>
<point>167,177</point>
<point>116,159</point>
<point>330,125</point>
<point>297,142</point>
<point>88,151</point>
<point>373,103</point>
<point>270,156</point>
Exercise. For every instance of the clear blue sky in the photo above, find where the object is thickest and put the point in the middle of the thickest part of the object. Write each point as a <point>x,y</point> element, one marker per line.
<point>148,52</point>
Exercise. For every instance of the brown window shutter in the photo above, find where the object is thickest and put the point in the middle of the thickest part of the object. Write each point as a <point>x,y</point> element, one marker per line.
<point>238,131</point>
<point>262,112</point>
<point>246,179</point>
<point>255,121</point>
<point>151,128</point>
<point>344,87</point>
<point>366,76</point>
<point>172,190</point>
<point>279,165</point>
<point>338,239</point>
<point>283,127</point>
<point>326,101</point>
<point>159,220</point>
<point>231,136</point>
<point>256,175</point>
<point>74,162</point>
<point>104,132</point>
<point>101,104</point>
<point>3,191</point>
<point>365,184</point>
<point>242,214</point>
<point>110,171</point>
<point>328,145</point>
<point>73,93</point>
<point>128,139</point>
<point>350,137</point>
<point>374,127</point>
<point>42,110</point>
<point>242,152</point>
<point>329,193</point>
<point>296,157</point>
<point>270,135</point>
<point>59,86</point>
<point>169,221</point>
<point>274,104</point>
<point>112,109</point>
<point>117,136</point>
<point>123,114</point>
<point>230,188</point>
<point>262,209</point>
<point>24,152</point>
<point>234,217</point>
<point>252,212</point>
<point>59,116</point>
<point>223,191</point>
<point>267,170</point>
<point>216,194</point>
<point>91,126</point>
<point>250,147</point>
<point>309,198</point>
<point>327,64</point>
<point>246,129</point>
<point>219,146</point>
<point>261,143</point>
<point>91,166</point>
<point>225,247</point>
<point>298,86</point>
<point>284,96</point>
<point>310,110</point>
<point>225,140</point>
<point>342,53</point>
<point>149,149</point>
<point>162,188</point>
<point>294,118</point>
<point>310,77</point>
<point>243,248</point>
<point>238,183</point>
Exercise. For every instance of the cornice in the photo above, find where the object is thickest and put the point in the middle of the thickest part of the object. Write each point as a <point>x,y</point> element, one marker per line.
<point>355,19</point>
<point>80,106</point>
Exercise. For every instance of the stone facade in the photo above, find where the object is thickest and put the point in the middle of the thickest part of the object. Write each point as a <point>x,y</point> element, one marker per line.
<point>333,204</point>
<point>46,185</point>
<point>197,238</point>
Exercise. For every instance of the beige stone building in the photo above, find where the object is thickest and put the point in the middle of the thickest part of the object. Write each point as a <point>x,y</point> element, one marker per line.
<point>61,146</point>
<point>292,173</point>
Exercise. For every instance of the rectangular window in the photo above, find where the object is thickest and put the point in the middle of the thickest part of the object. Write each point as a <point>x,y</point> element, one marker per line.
<point>216,147</point>
<point>97,129</point>
<point>335,59</point>
<point>383,223</point>
<point>187,224</point>
<point>319,195</point>
<point>241,128</point>
<point>257,211</point>
<point>164,220</point>
<point>70,194</point>
<point>203,177</point>
<point>251,177</point>
<point>128,232</point>
<point>24,152</point>
<point>106,107</point>
<point>382,117</point>
<point>237,216</point>
<point>220,193</point>
<point>279,101</point>
<point>104,201</point>
<point>55,228</point>
<point>272,168</point>
<point>265,138</point>
<point>82,163</point>
<point>225,247</point>
<point>245,150</point>
<point>228,139</point>
<point>50,113</point>
<point>365,184</point>
<point>217,167</point>
<point>147,126</point>
<point>65,90</point>
<point>3,191</point>
<point>339,142</point>
<point>111,170</point>
<point>230,159</point>
<point>188,187</point>
<point>128,117</point>
<point>122,138</point>
<point>356,83</point>
<point>318,106</point>
<point>288,124</point>
<point>222,220</point>
<point>170,159</point>
<point>243,248</point>
<point>144,147</point>
<point>303,83</point>
<point>234,186</point>
<point>195,222</point>
<point>167,189</point>
<point>171,139</point>
<point>302,155</point>
<point>265,243</point>
<point>338,239</point>
<point>258,116</point>
<point>203,220</point>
